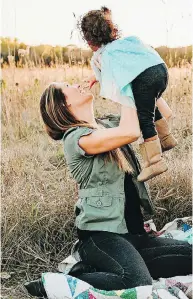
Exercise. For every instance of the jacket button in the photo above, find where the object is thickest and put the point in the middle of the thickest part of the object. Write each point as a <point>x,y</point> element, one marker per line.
<point>99,203</point>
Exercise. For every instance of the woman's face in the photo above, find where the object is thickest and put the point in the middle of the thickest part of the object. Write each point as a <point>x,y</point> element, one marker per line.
<point>78,100</point>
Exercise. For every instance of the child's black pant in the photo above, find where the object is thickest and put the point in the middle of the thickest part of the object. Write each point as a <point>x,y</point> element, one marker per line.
<point>147,88</point>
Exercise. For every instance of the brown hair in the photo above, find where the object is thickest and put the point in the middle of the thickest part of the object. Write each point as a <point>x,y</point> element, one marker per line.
<point>58,119</point>
<point>96,29</point>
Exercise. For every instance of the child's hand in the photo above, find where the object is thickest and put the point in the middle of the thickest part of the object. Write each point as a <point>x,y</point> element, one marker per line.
<point>91,81</point>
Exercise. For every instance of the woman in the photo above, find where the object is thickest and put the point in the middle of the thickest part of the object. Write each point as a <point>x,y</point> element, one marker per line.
<point>108,216</point>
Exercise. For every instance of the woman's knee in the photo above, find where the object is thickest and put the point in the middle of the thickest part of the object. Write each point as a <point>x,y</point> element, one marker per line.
<point>170,265</point>
<point>172,246</point>
<point>136,277</point>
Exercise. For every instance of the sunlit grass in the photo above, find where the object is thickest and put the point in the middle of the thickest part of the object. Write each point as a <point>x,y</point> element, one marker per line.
<point>38,192</point>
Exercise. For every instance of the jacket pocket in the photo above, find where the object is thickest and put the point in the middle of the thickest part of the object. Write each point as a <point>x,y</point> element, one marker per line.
<point>99,202</point>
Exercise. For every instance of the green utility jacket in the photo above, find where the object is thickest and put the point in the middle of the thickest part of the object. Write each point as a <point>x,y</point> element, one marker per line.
<point>101,185</point>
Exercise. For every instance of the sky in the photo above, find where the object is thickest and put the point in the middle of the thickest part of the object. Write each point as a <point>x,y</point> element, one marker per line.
<point>156,22</point>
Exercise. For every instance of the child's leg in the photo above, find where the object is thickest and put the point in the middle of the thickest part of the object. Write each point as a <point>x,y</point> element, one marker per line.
<point>145,103</point>
<point>164,108</point>
<point>158,114</point>
<point>151,148</point>
<point>162,125</point>
<point>146,89</point>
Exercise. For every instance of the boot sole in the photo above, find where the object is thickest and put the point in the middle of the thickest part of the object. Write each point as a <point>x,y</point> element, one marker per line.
<point>162,168</point>
<point>173,142</point>
<point>168,148</point>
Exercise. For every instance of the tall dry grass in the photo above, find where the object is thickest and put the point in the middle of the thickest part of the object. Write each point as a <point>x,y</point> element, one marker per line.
<point>38,192</point>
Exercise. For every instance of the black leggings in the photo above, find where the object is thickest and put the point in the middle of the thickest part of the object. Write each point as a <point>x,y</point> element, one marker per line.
<point>147,88</point>
<point>126,261</point>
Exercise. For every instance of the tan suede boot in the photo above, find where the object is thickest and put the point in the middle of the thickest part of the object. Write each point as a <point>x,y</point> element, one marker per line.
<point>166,138</point>
<point>153,161</point>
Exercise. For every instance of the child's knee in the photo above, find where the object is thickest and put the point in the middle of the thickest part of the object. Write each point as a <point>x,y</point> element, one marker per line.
<point>169,115</point>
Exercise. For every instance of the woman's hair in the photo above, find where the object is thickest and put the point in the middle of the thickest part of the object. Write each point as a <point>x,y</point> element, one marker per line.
<point>58,119</point>
<point>96,29</point>
<point>55,113</point>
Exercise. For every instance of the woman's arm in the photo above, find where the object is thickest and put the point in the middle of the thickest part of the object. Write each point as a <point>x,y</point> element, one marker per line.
<point>103,140</point>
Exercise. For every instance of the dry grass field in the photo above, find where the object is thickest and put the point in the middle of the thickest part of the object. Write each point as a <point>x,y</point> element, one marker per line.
<point>38,192</point>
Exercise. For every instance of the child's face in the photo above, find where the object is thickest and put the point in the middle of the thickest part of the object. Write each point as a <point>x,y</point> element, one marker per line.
<point>93,48</point>
<point>108,17</point>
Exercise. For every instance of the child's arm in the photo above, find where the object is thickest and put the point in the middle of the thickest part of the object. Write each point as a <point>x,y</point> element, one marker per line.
<point>97,73</point>
<point>164,108</point>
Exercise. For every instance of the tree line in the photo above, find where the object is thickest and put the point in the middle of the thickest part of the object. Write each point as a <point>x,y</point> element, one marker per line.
<point>19,54</point>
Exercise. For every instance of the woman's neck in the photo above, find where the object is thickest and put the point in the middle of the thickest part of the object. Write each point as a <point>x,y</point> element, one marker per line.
<point>94,123</point>
<point>89,118</point>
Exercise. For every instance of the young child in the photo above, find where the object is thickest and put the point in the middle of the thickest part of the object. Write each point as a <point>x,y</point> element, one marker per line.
<point>133,74</point>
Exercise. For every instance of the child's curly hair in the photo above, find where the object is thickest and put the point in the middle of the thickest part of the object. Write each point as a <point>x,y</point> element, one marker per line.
<point>96,29</point>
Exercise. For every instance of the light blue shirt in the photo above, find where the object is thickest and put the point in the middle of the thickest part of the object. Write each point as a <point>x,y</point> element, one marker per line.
<point>121,62</point>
